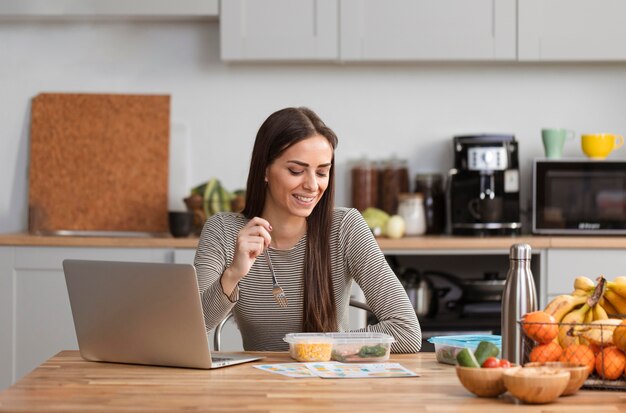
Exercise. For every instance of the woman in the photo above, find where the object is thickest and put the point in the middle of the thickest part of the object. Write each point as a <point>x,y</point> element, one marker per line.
<point>316,250</point>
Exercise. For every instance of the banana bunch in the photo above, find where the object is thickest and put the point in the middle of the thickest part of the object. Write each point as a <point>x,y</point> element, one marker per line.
<point>584,316</point>
<point>599,332</point>
<point>612,299</point>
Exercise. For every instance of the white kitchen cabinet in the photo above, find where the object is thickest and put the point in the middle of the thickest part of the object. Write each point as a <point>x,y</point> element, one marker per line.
<point>7,281</point>
<point>564,265</point>
<point>368,30</point>
<point>405,30</point>
<point>35,316</point>
<point>571,30</point>
<point>279,29</point>
<point>95,8</point>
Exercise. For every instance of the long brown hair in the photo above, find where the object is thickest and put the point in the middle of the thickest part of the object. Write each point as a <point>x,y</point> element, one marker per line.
<point>279,131</point>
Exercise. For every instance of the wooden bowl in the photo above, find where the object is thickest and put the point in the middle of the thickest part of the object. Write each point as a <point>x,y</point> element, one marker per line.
<point>578,374</point>
<point>483,382</point>
<point>536,385</point>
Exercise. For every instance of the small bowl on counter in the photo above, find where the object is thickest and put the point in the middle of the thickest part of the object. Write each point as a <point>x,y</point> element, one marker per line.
<point>536,385</point>
<point>483,382</point>
<point>578,374</point>
<point>306,347</point>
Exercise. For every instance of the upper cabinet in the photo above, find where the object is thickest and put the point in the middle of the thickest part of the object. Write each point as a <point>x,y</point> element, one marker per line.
<point>106,8</point>
<point>405,30</point>
<point>279,29</point>
<point>572,30</point>
<point>368,30</point>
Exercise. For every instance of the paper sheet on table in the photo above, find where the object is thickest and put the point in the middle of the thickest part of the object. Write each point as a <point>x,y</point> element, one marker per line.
<point>295,370</point>
<point>359,371</point>
<point>333,370</point>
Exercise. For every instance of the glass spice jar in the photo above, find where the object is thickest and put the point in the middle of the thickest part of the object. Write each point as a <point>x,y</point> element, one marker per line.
<point>411,208</point>
<point>393,180</point>
<point>364,181</point>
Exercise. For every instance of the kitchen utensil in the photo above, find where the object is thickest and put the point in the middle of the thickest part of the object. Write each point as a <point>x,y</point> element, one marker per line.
<point>553,141</point>
<point>423,294</point>
<point>600,145</point>
<point>534,384</point>
<point>578,374</point>
<point>486,289</point>
<point>487,209</point>
<point>277,291</point>
<point>424,297</point>
<point>483,382</point>
<point>180,223</point>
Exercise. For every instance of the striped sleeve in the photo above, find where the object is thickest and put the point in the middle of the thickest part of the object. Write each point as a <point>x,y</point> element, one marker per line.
<point>211,261</point>
<point>383,292</point>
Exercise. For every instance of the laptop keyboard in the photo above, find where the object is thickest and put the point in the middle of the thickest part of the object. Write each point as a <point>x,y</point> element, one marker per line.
<point>221,358</point>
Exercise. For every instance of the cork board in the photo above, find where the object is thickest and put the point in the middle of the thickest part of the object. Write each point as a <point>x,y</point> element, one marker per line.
<point>99,163</point>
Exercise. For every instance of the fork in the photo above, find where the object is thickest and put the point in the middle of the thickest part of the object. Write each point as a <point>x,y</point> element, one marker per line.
<point>277,291</point>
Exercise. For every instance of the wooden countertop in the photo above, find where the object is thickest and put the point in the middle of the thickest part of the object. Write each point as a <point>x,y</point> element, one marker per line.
<point>67,383</point>
<point>436,242</point>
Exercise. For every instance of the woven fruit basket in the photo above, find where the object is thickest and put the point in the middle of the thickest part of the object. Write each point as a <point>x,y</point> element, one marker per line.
<point>585,328</point>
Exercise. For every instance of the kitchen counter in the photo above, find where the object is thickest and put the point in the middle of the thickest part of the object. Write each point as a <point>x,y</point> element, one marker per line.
<point>67,383</point>
<point>435,242</point>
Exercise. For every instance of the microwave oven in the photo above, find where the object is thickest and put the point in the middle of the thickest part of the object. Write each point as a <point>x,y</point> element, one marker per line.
<point>579,196</point>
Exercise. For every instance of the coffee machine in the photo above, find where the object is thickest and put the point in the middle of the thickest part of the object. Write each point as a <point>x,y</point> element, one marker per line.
<point>483,186</point>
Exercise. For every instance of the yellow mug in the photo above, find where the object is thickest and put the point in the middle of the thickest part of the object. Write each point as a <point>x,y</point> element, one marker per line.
<point>600,145</point>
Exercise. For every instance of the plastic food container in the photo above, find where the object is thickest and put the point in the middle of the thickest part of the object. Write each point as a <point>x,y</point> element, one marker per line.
<point>361,347</point>
<point>447,347</point>
<point>309,346</point>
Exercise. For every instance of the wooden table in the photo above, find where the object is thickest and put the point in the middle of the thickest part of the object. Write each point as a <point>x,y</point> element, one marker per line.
<point>67,383</point>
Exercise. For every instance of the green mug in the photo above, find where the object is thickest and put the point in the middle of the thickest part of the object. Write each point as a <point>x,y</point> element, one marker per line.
<point>554,140</point>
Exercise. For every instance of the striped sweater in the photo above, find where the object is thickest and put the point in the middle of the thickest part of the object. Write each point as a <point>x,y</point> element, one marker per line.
<point>355,256</point>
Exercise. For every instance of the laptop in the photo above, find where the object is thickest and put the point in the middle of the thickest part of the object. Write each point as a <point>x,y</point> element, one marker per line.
<point>141,313</point>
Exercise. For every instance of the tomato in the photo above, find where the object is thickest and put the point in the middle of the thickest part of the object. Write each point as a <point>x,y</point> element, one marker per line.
<point>504,363</point>
<point>491,362</point>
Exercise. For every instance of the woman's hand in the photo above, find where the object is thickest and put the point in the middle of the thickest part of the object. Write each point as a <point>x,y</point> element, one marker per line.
<point>251,241</point>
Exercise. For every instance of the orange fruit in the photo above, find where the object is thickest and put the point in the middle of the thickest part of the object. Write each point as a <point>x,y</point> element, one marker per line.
<point>546,352</point>
<point>619,336</point>
<point>540,326</point>
<point>610,363</point>
<point>579,354</point>
<point>595,348</point>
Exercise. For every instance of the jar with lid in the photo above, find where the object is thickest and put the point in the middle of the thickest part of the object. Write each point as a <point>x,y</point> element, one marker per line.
<point>394,180</point>
<point>431,188</point>
<point>411,208</point>
<point>364,181</point>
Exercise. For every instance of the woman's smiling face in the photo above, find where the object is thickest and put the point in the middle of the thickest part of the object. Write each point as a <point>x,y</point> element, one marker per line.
<point>297,179</point>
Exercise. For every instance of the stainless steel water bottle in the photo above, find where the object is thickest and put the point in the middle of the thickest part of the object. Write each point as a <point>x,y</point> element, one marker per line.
<point>519,297</point>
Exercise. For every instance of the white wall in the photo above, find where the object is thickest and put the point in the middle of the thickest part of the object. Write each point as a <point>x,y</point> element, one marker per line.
<point>412,110</point>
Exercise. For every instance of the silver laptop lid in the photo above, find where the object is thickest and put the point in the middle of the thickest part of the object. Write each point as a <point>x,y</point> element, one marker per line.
<point>142,313</point>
